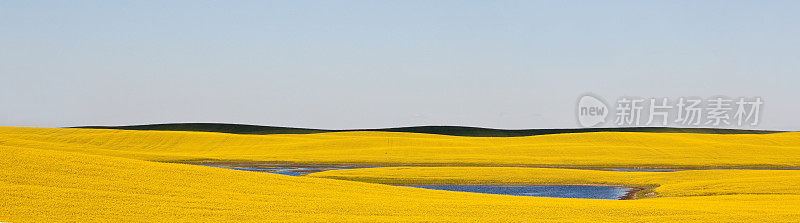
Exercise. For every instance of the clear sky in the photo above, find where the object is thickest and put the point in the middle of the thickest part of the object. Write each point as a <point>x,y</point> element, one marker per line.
<point>366,64</point>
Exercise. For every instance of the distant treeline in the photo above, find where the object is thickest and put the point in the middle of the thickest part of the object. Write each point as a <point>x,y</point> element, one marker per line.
<point>441,130</point>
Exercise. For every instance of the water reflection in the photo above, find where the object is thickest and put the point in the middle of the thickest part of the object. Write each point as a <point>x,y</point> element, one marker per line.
<point>561,191</point>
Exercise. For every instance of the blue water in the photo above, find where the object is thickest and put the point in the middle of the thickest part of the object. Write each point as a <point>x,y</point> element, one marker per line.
<point>645,170</point>
<point>588,192</point>
<point>563,191</point>
<point>290,171</point>
<point>305,170</point>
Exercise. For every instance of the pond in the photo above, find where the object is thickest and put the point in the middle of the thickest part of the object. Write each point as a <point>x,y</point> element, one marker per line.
<point>287,170</point>
<point>560,191</point>
<point>645,170</point>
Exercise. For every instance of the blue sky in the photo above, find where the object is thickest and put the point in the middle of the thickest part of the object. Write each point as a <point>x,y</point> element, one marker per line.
<point>367,64</point>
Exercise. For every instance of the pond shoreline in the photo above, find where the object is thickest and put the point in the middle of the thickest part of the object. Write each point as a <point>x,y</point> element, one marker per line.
<point>303,168</point>
<point>287,164</point>
<point>631,194</point>
<point>306,168</point>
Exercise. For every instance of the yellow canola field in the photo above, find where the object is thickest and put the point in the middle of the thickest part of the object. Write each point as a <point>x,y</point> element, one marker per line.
<point>669,184</point>
<point>38,185</point>
<point>581,149</point>
<point>80,175</point>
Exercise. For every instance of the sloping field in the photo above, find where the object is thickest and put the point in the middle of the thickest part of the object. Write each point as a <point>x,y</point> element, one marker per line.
<point>83,175</point>
<point>39,185</point>
<point>579,149</point>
